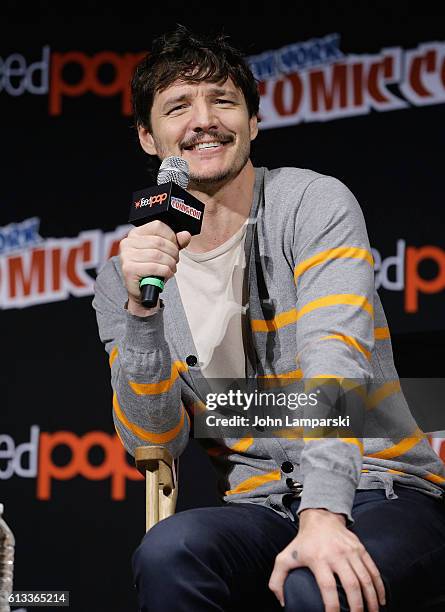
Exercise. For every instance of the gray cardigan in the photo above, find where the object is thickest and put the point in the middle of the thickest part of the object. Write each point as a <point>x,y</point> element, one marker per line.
<point>313,311</point>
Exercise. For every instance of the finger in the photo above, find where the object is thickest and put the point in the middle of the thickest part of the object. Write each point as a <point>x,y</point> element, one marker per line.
<point>366,583</point>
<point>155,228</point>
<point>283,563</point>
<point>150,242</point>
<point>183,239</point>
<point>351,585</point>
<point>151,256</point>
<point>376,576</point>
<point>141,270</point>
<point>328,587</point>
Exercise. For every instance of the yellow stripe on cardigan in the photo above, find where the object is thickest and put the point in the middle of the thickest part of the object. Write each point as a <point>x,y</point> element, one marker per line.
<point>401,447</point>
<point>242,445</point>
<point>291,316</point>
<point>161,386</point>
<point>269,381</point>
<point>351,341</point>
<point>427,476</point>
<point>143,434</point>
<point>386,390</point>
<point>254,482</point>
<point>381,333</point>
<point>113,356</point>
<point>434,478</point>
<point>349,299</point>
<point>345,383</point>
<point>337,253</point>
<point>239,447</point>
<point>390,471</point>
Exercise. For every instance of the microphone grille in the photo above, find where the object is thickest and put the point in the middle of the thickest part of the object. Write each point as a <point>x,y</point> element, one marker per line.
<point>175,169</point>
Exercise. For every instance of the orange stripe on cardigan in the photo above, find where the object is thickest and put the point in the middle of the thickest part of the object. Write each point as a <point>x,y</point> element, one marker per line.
<point>269,381</point>
<point>113,356</point>
<point>345,383</point>
<point>197,407</point>
<point>161,386</point>
<point>427,476</point>
<point>254,482</point>
<point>337,253</point>
<point>381,333</point>
<point>291,316</point>
<point>351,341</point>
<point>386,390</point>
<point>239,447</point>
<point>434,478</point>
<point>390,471</point>
<point>381,393</point>
<point>401,447</point>
<point>143,434</point>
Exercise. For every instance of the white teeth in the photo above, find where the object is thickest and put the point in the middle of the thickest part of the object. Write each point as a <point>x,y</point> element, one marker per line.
<point>206,145</point>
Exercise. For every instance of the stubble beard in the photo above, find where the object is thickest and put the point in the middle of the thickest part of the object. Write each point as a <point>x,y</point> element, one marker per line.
<point>223,176</point>
<point>218,178</point>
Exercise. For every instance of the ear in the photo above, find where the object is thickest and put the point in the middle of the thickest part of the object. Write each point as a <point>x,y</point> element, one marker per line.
<point>253,126</point>
<point>146,140</point>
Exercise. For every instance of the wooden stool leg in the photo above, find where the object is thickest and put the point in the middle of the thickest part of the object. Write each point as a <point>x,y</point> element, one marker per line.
<point>160,472</point>
<point>151,498</point>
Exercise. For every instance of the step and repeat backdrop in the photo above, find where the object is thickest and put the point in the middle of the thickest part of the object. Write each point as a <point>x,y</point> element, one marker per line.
<point>361,100</point>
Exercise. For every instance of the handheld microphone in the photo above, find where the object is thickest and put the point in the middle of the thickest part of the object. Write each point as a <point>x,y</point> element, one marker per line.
<point>171,204</point>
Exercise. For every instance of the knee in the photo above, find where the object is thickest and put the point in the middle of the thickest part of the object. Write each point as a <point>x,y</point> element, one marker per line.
<point>169,544</point>
<point>301,592</point>
<point>154,550</point>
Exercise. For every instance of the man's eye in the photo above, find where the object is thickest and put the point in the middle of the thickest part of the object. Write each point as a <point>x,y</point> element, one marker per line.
<point>223,101</point>
<point>176,108</point>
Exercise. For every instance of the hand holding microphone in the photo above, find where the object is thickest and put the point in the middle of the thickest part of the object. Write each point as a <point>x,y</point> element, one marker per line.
<point>166,217</point>
<point>151,250</point>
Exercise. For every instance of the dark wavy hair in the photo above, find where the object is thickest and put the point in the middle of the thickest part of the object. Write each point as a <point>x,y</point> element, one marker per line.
<point>193,58</point>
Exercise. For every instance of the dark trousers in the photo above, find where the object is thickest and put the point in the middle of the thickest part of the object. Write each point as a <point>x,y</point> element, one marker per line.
<point>221,558</point>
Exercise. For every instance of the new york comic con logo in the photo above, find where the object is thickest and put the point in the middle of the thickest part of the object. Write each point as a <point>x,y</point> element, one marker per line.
<point>179,204</point>
<point>305,81</point>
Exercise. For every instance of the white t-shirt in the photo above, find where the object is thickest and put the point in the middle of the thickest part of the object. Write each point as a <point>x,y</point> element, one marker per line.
<point>211,285</point>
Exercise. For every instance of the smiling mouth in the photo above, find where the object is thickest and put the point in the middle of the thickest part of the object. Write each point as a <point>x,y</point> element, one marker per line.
<point>206,146</point>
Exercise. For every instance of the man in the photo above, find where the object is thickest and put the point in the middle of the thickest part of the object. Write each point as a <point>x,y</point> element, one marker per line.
<point>316,523</point>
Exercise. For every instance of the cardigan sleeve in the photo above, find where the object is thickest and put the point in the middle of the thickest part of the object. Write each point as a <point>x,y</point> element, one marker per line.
<point>147,408</point>
<point>334,280</point>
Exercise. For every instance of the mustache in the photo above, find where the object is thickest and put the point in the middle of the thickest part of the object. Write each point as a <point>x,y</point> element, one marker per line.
<point>217,136</point>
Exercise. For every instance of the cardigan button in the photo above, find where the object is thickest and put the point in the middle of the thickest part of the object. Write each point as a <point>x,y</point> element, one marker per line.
<point>292,484</point>
<point>287,467</point>
<point>191,360</point>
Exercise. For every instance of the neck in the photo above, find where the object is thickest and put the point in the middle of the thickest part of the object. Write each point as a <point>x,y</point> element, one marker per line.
<point>226,209</point>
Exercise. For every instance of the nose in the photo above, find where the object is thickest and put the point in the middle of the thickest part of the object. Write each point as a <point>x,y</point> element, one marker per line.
<point>203,117</point>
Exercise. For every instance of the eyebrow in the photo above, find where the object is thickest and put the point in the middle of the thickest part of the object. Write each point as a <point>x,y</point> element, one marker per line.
<point>214,91</point>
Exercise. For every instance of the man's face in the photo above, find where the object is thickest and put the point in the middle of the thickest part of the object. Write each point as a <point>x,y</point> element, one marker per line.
<point>205,123</point>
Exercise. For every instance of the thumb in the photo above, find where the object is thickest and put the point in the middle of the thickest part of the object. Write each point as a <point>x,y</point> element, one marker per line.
<point>183,239</point>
